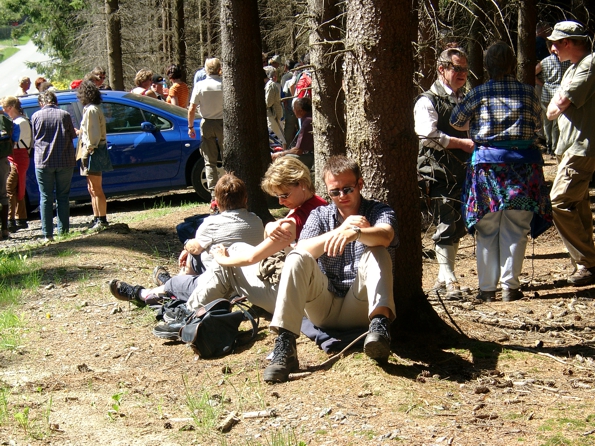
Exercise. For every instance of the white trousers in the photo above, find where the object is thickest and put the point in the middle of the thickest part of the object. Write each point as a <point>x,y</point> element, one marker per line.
<point>222,282</point>
<point>501,244</point>
<point>304,289</point>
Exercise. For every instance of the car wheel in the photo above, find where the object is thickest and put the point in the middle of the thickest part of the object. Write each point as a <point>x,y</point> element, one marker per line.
<point>199,179</point>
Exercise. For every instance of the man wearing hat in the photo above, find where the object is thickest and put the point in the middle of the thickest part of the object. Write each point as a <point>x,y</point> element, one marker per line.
<point>573,105</point>
<point>157,86</point>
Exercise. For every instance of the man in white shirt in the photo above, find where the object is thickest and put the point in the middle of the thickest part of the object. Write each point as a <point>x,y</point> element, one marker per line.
<point>207,103</point>
<point>443,154</point>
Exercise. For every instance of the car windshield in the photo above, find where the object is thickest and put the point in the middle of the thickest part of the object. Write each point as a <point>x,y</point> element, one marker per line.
<point>174,109</point>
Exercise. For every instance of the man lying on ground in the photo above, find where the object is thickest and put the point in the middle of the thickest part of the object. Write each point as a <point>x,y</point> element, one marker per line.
<point>233,224</point>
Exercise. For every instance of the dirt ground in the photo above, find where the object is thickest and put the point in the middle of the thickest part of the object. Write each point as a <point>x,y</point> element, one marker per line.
<point>88,370</point>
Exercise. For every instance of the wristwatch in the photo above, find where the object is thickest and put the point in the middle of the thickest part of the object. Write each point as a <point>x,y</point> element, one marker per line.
<point>358,230</point>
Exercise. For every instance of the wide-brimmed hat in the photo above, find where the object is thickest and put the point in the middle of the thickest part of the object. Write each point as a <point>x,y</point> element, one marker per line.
<point>568,30</point>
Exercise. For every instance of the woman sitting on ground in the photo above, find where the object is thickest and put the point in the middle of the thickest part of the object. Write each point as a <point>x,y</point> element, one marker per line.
<point>289,180</point>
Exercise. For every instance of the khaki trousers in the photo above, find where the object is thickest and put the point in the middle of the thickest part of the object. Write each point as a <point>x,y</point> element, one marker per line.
<point>571,207</point>
<point>304,289</point>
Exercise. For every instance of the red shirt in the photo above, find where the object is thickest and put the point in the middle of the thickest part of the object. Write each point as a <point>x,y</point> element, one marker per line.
<point>300,214</point>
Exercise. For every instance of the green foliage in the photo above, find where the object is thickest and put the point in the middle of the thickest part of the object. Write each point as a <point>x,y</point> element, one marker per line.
<point>54,27</point>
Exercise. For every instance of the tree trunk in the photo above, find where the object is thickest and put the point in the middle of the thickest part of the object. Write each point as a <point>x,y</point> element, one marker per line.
<point>526,60</point>
<point>114,45</point>
<point>380,135</point>
<point>180,37</point>
<point>209,29</point>
<point>246,150</point>
<point>476,43</point>
<point>328,98</point>
<point>427,44</point>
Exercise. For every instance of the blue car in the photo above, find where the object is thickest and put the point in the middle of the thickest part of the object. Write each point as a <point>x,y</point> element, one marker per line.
<point>147,141</point>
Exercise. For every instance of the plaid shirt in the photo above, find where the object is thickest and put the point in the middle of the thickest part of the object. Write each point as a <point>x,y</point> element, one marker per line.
<point>552,71</point>
<point>53,133</point>
<point>342,270</point>
<point>499,110</point>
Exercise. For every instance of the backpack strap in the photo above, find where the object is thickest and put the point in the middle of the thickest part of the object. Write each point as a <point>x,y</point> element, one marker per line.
<point>240,303</point>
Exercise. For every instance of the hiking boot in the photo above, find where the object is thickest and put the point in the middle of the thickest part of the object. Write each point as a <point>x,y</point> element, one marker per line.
<point>22,224</point>
<point>160,276</point>
<point>582,277</point>
<point>487,296</point>
<point>509,295</point>
<point>377,343</point>
<point>284,360</point>
<point>453,291</point>
<point>123,291</point>
<point>169,331</point>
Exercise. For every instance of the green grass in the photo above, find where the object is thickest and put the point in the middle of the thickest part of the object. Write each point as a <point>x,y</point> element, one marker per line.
<point>10,42</point>
<point>5,53</point>
<point>18,273</point>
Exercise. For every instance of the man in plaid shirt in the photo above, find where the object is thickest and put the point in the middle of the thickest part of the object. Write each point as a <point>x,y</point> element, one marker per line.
<point>340,274</point>
<point>53,133</point>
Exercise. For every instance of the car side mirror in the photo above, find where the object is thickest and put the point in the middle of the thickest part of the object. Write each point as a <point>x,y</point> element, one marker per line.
<point>148,127</point>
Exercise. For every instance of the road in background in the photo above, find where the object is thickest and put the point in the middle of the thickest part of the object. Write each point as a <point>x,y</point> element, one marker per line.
<point>13,68</point>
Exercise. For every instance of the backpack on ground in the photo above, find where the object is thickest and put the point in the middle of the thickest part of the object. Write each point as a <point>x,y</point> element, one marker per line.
<point>6,143</point>
<point>214,329</point>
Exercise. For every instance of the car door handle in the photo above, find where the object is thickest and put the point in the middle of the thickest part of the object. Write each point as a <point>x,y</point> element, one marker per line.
<point>187,144</point>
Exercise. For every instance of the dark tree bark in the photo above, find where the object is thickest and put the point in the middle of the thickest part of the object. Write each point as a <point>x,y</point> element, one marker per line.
<point>476,43</point>
<point>526,61</point>
<point>114,45</point>
<point>427,43</point>
<point>180,37</point>
<point>246,150</point>
<point>380,135</point>
<point>328,98</point>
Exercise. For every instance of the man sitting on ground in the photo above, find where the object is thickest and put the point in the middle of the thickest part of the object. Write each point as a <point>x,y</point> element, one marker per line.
<point>233,224</point>
<point>340,274</point>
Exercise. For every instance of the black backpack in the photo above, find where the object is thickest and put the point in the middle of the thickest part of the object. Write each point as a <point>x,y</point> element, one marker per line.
<point>214,329</point>
<point>6,143</point>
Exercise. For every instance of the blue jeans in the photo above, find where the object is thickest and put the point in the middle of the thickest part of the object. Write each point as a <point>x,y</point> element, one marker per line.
<point>52,179</point>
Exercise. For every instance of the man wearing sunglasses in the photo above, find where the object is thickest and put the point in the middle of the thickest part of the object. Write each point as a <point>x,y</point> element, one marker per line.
<point>443,154</point>
<point>340,274</point>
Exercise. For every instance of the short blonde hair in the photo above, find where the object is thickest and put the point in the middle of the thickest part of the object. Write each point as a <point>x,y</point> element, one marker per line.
<point>11,101</point>
<point>142,76</point>
<point>213,66</point>
<point>286,171</point>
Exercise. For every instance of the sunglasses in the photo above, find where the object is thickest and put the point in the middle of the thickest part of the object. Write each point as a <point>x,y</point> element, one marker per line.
<point>459,68</point>
<point>283,196</point>
<point>345,191</point>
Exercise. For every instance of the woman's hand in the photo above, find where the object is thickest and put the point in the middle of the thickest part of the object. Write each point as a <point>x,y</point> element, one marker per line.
<point>277,233</point>
<point>183,259</point>
<point>219,251</point>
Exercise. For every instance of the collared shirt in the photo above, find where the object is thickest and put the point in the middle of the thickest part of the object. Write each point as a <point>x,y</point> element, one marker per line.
<point>577,129</point>
<point>208,97</point>
<point>342,270</point>
<point>426,118</point>
<point>499,110</point>
<point>53,133</point>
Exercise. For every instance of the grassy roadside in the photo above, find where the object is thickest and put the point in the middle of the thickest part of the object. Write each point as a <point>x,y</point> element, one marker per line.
<point>8,47</point>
